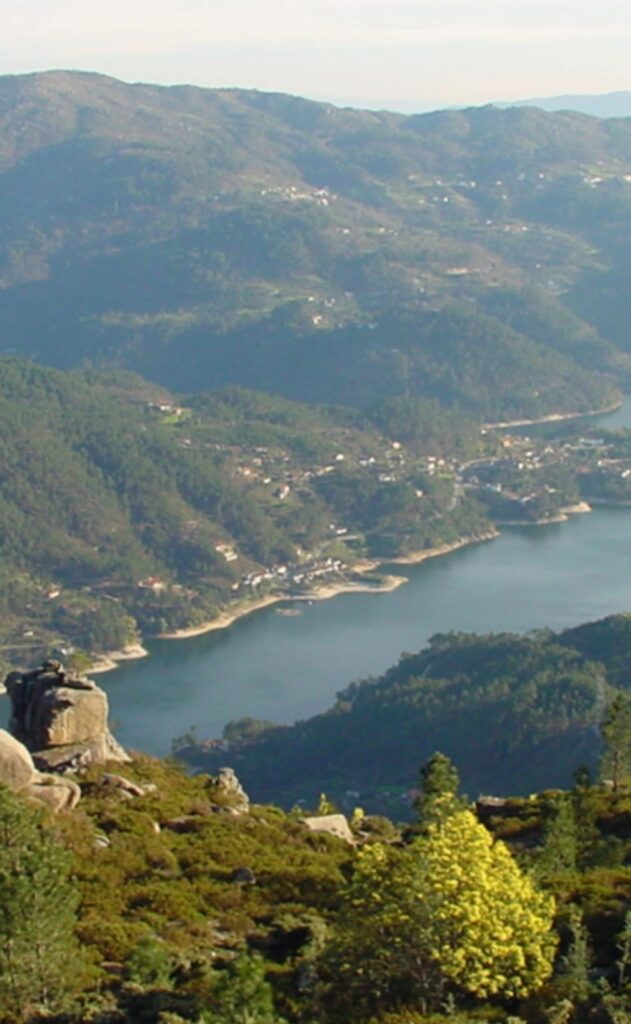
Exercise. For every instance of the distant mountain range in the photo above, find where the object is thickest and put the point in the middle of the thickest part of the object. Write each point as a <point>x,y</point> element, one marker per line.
<point>206,237</point>
<point>611,104</point>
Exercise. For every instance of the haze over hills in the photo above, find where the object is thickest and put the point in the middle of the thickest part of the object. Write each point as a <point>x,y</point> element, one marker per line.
<point>611,104</point>
<point>205,237</point>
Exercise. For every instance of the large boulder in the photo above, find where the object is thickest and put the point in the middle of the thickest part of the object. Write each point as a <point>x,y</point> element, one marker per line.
<point>61,715</point>
<point>75,756</point>
<point>16,765</point>
<point>18,773</point>
<point>333,824</point>
<point>64,718</point>
<point>56,791</point>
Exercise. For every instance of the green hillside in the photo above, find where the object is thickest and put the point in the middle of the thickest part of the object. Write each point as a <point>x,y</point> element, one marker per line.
<point>124,509</point>
<point>207,237</point>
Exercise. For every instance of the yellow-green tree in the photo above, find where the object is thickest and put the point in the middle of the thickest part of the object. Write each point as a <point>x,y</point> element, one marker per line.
<point>491,928</point>
<point>452,912</point>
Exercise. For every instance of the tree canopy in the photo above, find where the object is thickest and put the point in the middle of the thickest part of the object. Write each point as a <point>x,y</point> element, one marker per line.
<point>38,907</point>
<point>451,912</point>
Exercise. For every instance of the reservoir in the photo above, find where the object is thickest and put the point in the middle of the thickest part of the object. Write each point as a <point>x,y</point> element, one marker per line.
<point>283,667</point>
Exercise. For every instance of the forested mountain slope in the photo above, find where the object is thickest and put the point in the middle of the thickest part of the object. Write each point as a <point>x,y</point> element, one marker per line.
<point>225,236</point>
<point>123,508</point>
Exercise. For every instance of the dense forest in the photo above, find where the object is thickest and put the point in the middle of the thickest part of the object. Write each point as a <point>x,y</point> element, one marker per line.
<point>514,713</point>
<point>212,237</point>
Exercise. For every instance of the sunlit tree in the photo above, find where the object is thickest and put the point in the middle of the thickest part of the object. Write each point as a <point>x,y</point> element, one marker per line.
<point>453,912</point>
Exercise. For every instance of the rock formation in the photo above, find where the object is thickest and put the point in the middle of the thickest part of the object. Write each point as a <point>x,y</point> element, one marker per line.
<point>226,786</point>
<point>333,824</point>
<point>62,719</point>
<point>19,774</point>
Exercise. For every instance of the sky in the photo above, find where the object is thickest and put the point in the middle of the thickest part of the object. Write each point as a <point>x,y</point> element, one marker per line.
<point>397,54</point>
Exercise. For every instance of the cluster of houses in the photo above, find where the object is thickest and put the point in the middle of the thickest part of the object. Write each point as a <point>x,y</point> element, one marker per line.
<point>271,467</point>
<point>292,194</point>
<point>523,455</point>
<point>299,575</point>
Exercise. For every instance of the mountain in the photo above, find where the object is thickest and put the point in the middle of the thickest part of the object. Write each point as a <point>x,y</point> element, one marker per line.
<point>611,104</point>
<point>210,237</point>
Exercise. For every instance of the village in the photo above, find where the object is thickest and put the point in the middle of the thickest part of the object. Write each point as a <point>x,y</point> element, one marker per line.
<point>520,479</point>
<point>539,479</point>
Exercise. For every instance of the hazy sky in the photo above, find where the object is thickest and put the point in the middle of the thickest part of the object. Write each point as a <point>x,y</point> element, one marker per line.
<point>404,54</point>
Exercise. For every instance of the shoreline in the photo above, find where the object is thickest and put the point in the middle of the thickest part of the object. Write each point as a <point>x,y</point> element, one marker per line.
<point>611,502</point>
<point>223,620</point>
<point>553,417</point>
<point>111,659</point>
<point>327,590</point>
<point>320,593</point>
<point>323,592</point>
<point>562,516</point>
<point>416,557</point>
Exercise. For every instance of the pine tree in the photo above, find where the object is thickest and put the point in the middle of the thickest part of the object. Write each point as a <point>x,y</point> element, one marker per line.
<point>559,854</point>
<point>438,798</point>
<point>584,798</point>
<point>616,733</point>
<point>242,995</point>
<point>575,965</point>
<point>39,956</point>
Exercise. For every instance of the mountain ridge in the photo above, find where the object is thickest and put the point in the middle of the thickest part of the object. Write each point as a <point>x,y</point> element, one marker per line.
<point>187,233</point>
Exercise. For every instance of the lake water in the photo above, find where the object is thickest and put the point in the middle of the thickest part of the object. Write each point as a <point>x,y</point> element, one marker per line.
<point>282,668</point>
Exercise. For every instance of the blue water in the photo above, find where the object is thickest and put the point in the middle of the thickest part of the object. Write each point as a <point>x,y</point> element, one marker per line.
<point>284,668</point>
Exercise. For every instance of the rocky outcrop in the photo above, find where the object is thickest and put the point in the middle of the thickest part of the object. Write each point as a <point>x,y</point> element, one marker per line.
<point>58,792</point>
<point>125,787</point>
<point>333,824</point>
<point>226,788</point>
<point>61,718</point>
<point>19,774</point>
